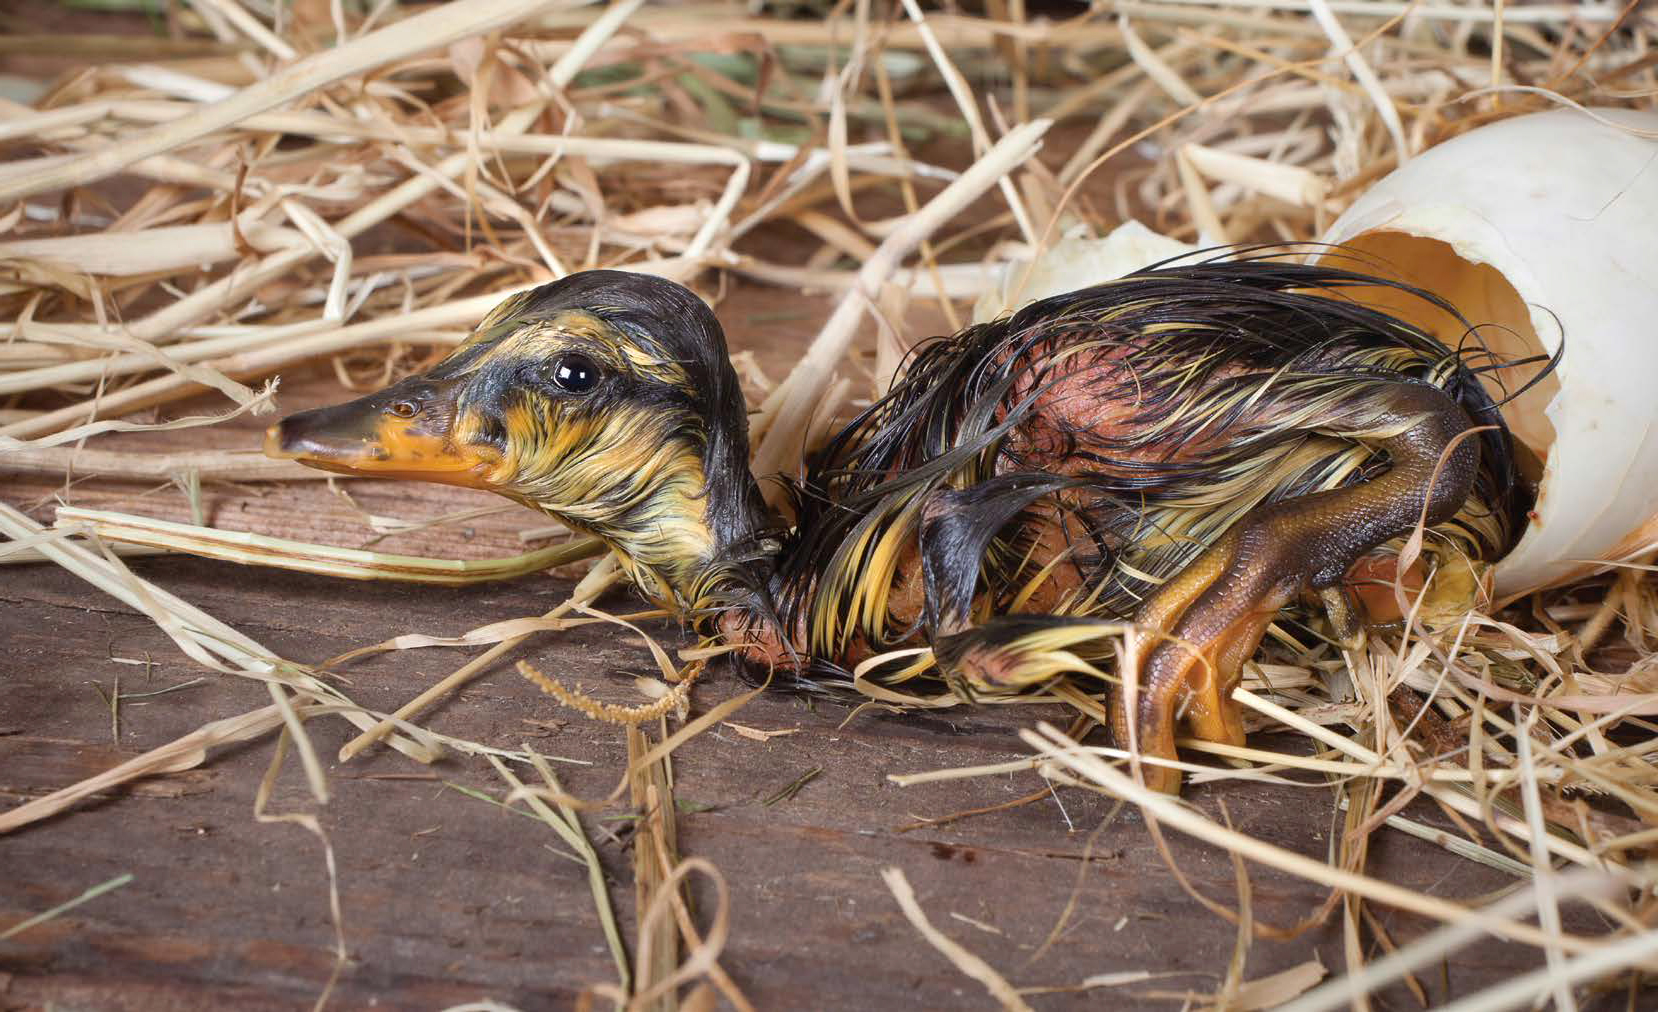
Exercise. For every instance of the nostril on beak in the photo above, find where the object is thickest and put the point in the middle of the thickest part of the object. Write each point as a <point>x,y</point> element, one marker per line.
<point>274,442</point>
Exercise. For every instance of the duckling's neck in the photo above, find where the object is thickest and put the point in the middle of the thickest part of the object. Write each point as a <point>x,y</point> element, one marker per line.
<point>736,520</point>
<point>682,520</point>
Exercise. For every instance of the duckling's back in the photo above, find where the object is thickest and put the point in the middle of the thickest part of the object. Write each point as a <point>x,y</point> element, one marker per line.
<point>1089,446</point>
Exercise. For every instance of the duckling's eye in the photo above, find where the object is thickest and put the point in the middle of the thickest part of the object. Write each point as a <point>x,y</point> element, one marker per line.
<point>404,409</point>
<point>575,374</point>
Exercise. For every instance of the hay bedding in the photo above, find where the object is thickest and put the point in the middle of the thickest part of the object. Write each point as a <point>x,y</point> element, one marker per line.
<point>258,189</point>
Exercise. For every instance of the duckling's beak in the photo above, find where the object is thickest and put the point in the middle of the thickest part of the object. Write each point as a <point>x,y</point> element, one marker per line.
<point>404,431</point>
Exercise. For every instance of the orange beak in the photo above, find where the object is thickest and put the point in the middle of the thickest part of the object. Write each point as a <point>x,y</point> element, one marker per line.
<point>403,431</point>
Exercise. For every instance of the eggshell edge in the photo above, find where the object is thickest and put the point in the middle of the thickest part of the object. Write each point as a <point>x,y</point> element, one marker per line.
<point>1566,209</point>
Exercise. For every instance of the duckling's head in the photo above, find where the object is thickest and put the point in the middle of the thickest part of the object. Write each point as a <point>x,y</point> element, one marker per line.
<point>605,398</point>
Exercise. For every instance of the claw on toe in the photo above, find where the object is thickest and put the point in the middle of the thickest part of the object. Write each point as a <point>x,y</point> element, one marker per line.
<point>1344,618</point>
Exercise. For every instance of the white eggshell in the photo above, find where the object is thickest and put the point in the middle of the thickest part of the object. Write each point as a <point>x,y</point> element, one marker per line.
<point>1546,227</point>
<point>1077,261</point>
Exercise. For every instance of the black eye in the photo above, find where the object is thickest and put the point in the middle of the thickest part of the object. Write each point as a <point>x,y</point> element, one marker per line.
<point>575,374</point>
<point>404,409</point>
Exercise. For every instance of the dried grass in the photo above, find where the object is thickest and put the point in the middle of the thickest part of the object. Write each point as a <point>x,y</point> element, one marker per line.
<point>507,142</point>
<point>92,893</point>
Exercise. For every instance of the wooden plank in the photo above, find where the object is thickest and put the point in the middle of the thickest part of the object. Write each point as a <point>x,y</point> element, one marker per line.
<point>447,899</point>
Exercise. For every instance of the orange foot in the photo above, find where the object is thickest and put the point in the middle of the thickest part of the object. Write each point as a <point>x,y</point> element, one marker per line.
<point>1190,642</point>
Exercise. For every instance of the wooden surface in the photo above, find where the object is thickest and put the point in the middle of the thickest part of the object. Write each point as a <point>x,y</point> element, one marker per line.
<point>447,899</point>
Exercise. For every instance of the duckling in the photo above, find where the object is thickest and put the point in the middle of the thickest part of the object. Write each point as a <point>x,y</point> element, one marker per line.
<point>1182,454</point>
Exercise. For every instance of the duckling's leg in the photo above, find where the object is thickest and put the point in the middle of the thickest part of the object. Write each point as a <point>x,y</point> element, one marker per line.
<point>1193,635</point>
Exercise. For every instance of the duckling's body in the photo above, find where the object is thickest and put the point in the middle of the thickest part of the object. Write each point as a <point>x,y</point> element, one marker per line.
<point>1192,448</point>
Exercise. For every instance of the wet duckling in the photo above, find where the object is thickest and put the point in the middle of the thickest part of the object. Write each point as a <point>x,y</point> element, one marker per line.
<point>1193,448</point>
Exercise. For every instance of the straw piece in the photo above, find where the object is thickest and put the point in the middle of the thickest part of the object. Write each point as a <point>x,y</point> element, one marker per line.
<point>1543,875</point>
<point>567,824</point>
<point>151,250</point>
<point>1273,991</point>
<point>1210,231</point>
<point>283,351</point>
<point>598,579</point>
<point>1633,951</point>
<point>1152,63</point>
<point>251,404</point>
<point>250,26</point>
<point>282,553</point>
<point>681,22</point>
<point>963,959</point>
<point>1460,802</point>
<point>1541,13</point>
<point>91,893</point>
<point>1362,72</point>
<point>182,753</point>
<point>198,634</point>
<point>652,799</point>
<point>963,95</point>
<point>309,822</point>
<point>208,465</point>
<point>1437,944</point>
<point>1290,183</point>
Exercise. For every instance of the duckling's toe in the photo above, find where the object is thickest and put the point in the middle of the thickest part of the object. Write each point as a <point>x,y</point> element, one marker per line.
<point>1191,640</point>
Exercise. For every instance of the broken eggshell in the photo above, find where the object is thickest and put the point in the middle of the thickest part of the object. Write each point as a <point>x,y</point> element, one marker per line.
<point>1542,229</point>
<point>1076,261</point>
